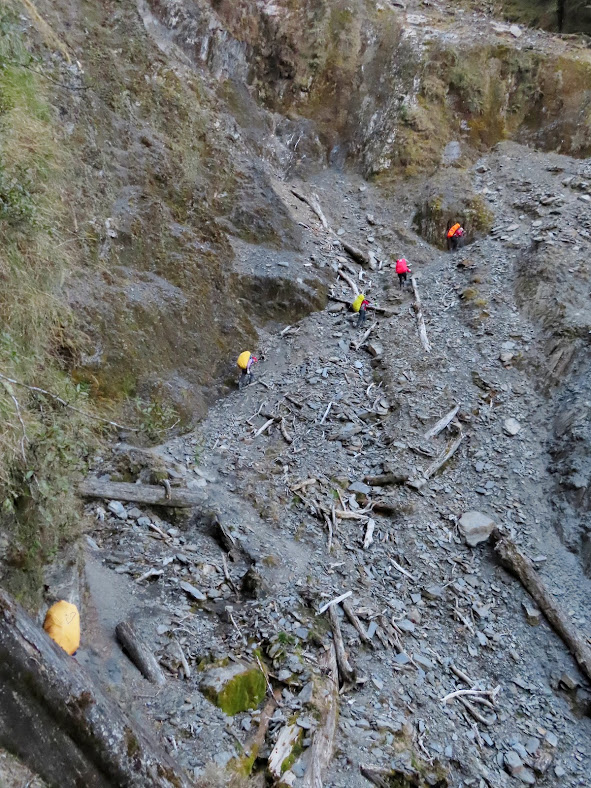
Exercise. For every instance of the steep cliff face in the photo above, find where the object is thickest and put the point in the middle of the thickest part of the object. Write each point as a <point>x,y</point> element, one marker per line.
<point>388,90</point>
<point>169,190</point>
<point>132,215</point>
<point>164,126</point>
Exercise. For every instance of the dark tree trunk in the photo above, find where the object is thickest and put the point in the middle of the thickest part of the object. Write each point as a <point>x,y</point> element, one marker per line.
<point>560,14</point>
<point>61,726</point>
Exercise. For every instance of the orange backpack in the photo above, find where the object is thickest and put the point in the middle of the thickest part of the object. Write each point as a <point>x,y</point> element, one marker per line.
<point>453,230</point>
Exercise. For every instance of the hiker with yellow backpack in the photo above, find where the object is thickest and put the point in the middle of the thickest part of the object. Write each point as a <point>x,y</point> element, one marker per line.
<point>455,234</point>
<point>62,624</point>
<point>360,305</point>
<point>244,362</point>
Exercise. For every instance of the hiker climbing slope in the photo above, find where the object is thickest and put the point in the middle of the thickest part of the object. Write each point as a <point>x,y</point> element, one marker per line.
<point>455,234</point>
<point>402,270</point>
<point>245,362</point>
<point>360,305</point>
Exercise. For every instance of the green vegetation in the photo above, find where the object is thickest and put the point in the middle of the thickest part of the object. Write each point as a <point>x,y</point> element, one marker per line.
<point>533,13</point>
<point>156,417</point>
<point>244,691</point>
<point>43,446</point>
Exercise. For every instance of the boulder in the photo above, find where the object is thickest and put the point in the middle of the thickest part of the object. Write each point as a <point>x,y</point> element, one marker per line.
<point>375,349</point>
<point>235,687</point>
<point>511,427</point>
<point>476,527</point>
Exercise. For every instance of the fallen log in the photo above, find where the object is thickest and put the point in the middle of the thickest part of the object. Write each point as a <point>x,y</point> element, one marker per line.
<point>326,701</point>
<point>441,424</point>
<point>349,281</point>
<point>244,762</point>
<point>149,494</point>
<point>354,619</point>
<point>356,254</point>
<point>139,653</point>
<point>384,479</point>
<point>521,566</point>
<point>57,722</point>
<point>419,315</point>
<point>446,455</point>
<point>313,203</point>
<point>345,670</point>
<point>288,739</point>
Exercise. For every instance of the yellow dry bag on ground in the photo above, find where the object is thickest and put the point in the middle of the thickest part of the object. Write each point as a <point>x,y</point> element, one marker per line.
<point>243,359</point>
<point>62,624</point>
<point>356,305</point>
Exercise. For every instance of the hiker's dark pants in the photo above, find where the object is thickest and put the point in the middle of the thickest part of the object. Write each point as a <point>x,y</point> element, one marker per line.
<point>361,318</point>
<point>401,279</point>
<point>454,243</point>
<point>245,378</point>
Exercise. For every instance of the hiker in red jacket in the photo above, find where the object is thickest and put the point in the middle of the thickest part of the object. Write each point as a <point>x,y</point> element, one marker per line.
<point>402,270</point>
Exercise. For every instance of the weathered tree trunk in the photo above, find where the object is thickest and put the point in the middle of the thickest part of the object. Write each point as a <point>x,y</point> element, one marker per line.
<point>326,700</point>
<point>345,670</point>
<point>420,319</point>
<point>519,564</point>
<point>59,724</point>
<point>357,254</point>
<point>139,653</point>
<point>151,494</point>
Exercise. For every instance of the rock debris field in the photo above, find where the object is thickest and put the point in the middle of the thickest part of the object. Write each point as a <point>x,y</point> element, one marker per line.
<point>324,480</point>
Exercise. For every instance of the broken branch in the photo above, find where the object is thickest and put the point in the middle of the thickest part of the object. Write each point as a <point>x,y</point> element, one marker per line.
<point>346,671</point>
<point>435,466</point>
<point>441,424</point>
<point>419,315</point>
<point>349,281</point>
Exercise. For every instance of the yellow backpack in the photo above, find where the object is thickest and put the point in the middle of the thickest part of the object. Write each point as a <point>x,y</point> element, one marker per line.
<point>62,624</point>
<point>243,359</point>
<point>356,305</point>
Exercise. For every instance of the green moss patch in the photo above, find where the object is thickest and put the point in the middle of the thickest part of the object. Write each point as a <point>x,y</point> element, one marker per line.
<point>234,688</point>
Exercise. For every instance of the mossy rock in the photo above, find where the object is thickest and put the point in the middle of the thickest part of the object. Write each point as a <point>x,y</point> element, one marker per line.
<point>449,198</point>
<point>234,688</point>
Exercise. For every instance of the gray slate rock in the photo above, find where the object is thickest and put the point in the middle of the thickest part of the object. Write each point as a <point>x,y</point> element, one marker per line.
<point>476,527</point>
<point>532,614</point>
<point>117,508</point>
<point>360,487</point>
<point>193,592</point>
<point>375,349</point>
<point>511,427</point>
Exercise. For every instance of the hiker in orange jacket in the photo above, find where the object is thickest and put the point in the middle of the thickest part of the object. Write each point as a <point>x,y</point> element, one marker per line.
<point>455,235</point>
<point>402,270</point>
